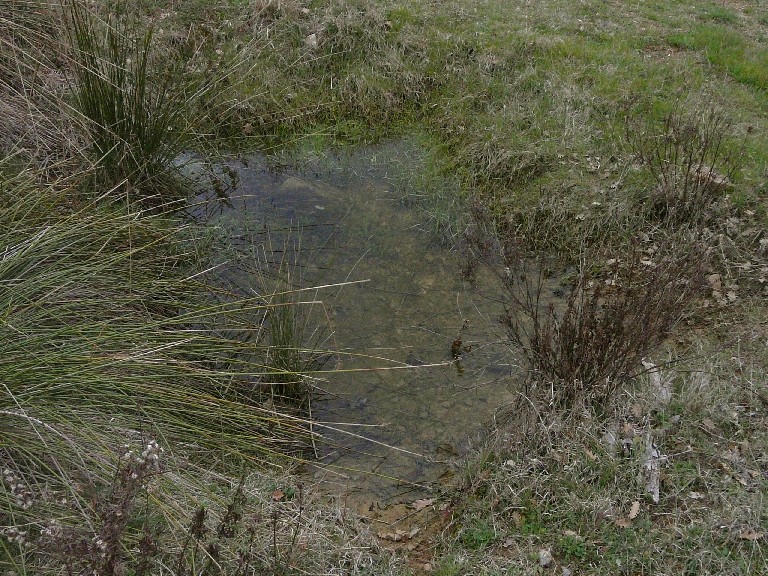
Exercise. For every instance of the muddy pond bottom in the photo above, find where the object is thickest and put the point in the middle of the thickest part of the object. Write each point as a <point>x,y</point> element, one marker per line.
<point>421,362</point>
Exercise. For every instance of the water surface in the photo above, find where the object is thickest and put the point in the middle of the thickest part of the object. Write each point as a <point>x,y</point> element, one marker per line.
<point>395,324</point>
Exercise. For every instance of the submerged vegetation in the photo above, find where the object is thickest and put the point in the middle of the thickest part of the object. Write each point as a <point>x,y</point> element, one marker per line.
<point>614,154</point>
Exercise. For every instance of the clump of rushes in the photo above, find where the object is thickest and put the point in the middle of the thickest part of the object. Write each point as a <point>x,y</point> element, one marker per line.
<point>111,304</point>
<point>285,349</point>
<point>108,330</point>
<point>33,121</point>
<point>137,107</point>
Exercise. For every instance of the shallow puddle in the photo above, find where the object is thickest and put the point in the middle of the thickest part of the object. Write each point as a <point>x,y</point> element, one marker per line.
<point>395,318</point>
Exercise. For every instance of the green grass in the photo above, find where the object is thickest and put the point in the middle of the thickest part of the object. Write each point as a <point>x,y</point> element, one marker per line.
<point>719,14</point>
<point>478,535</point>
<point>118,332</point>
<point>138,107</point>
<point>513,112</point>
<point>729,52</point>
<point>572,491</point>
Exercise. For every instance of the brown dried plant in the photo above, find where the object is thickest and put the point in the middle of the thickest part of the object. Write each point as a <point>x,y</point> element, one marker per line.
<point>691,163</point>
<point>582,349</point>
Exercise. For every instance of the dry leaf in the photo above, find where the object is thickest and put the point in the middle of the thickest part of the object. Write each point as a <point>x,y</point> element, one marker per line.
<point>623,522</point>
<point>635,510</point>
<point>560,457</point>
<point>419,505</point>
<point>393,536</point>
<point>708,424</point>
<point>750,535</point>
<point>277,495</point>
<point>399,535</point>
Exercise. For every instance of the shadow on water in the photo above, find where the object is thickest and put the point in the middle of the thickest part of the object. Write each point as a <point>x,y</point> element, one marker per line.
<point>421,364</point>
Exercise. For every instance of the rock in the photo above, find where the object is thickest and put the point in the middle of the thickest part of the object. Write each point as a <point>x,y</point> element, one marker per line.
<point>545,558</point>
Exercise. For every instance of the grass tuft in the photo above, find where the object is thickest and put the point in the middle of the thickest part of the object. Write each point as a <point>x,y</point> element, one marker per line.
<point>138,107</point>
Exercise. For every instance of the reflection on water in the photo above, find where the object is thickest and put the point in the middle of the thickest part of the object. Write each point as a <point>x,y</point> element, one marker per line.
<point>397,321</point>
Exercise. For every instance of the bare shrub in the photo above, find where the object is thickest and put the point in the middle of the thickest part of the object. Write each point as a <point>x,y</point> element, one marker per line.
<point>690,162</point>
<point>99,546</point>
<point>583,348</point>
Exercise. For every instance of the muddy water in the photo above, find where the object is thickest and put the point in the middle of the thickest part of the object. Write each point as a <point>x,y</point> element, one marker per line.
<point>409,405</point>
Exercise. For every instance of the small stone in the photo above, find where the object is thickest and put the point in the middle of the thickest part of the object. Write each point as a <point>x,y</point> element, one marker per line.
<point>715,282</point>
<point>545,558</point>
